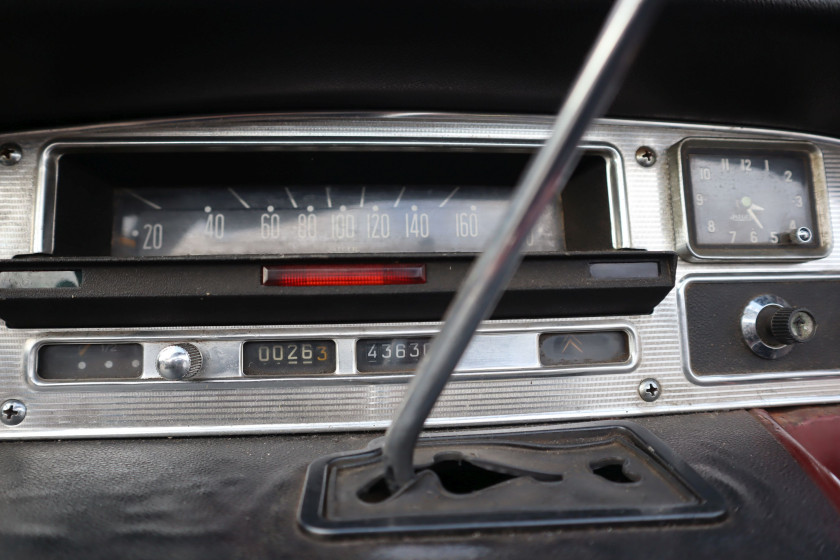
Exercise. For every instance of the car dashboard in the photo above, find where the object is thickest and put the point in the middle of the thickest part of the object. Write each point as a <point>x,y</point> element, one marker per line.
<point>502,379</point>
<point>229,237</point>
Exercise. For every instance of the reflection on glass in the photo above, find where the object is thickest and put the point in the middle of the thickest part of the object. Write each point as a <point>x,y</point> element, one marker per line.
<point>35,279</point>
<point>312,220</point>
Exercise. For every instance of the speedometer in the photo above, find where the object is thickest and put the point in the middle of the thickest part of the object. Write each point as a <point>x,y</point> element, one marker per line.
<point>333,219</point>
<point>751,200</point>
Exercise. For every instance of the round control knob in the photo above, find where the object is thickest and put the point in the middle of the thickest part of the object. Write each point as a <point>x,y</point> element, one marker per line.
<point>790,325</point>
<point>772,327</point>
<point>179,361</point>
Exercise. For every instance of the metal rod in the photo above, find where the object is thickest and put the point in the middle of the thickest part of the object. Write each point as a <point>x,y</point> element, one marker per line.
<point>594,89</point>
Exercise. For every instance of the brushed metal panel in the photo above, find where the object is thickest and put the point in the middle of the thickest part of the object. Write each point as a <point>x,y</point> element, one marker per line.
<point>231,407</point>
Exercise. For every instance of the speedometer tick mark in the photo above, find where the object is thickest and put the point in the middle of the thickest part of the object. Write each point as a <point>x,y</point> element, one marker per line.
<point>362,200</point>
<point>399,197</point>
<point>329,198</point>
<point>291,198</point>
<point>143,200</point>
<point>239,198</point>
<point>448,198</point>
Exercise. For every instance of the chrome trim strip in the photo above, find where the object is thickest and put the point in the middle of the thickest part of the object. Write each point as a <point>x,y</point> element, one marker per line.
<point>223,355</point>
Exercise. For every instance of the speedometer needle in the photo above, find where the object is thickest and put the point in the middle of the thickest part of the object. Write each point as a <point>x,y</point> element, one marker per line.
<point>753,216</point>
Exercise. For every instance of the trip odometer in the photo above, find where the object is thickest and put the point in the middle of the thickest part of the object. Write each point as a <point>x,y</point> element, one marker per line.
<point>751,200</point>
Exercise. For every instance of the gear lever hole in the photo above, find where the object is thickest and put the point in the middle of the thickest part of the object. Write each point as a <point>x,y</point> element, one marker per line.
<point>614,470</point>
<point>456,474</point>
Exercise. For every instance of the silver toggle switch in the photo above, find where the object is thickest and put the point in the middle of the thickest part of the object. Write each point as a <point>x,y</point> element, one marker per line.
<point>179,361</point>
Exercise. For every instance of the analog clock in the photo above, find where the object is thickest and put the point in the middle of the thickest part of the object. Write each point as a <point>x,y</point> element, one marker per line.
<point>751,200</point>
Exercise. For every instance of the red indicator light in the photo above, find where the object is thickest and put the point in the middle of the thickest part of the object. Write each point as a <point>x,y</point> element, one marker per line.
<point>343,274</point>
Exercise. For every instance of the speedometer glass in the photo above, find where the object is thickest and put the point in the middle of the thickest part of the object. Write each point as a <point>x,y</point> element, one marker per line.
<point>336,219</point>
<point>751,200</point>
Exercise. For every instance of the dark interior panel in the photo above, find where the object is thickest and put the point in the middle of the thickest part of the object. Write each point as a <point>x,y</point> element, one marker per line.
<point>237,497</point>
<point>744,62</point>
<point>714,309</point>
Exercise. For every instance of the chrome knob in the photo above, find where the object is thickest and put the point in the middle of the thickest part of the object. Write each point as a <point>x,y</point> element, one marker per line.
<point>179,361</point>
<point>772,327</point>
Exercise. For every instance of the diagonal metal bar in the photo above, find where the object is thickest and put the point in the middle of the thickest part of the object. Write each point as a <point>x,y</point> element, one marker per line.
<point>594,89</point>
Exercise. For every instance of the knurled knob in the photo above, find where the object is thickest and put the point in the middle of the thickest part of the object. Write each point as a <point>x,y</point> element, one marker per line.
<point>792,325</point>
<point>179,361</point>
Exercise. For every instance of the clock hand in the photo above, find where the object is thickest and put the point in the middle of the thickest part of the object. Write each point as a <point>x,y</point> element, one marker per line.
<point>754,217</point>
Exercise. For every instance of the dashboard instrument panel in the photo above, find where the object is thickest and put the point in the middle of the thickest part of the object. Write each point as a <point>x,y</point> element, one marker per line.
<point>281,357</point>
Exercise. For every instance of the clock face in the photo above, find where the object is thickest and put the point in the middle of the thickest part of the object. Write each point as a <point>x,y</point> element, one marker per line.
<point>746,200</point>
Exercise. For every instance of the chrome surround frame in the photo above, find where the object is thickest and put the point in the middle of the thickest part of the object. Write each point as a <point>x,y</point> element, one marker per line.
<point>45,198</point>
<point>682,228</point>
<point>223,355</point>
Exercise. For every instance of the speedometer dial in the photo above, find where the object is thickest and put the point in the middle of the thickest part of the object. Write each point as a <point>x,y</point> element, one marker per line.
<point>335,219</point>
<point>752,200</point>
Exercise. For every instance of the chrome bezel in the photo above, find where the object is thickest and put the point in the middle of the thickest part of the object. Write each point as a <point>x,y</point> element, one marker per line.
<point>45,197</point>
<point>223,358</point>
<point>749,327</point>
<point>684,231</point>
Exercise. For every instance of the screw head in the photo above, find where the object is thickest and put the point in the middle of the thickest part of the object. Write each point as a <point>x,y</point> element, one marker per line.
<point>12,412</point>
<point>803,326</point>
<point>645,156</point>
<point>649,390</point>
<point>10,154</point>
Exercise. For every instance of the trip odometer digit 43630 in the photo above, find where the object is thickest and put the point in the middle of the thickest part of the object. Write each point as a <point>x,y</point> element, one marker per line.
<point>751,200</point>
<point>390,355</point>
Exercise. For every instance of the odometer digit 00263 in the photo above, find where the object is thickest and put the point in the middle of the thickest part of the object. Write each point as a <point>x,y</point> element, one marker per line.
<point>316,220</point>
<point>750,200</point>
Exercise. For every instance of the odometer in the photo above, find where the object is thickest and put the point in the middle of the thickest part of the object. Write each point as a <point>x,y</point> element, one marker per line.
<point>762,200</point>
<point>288,357</point>
<point>390,355</point>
